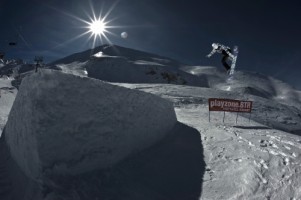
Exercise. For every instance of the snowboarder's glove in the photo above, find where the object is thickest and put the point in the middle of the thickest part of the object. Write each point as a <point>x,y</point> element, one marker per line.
<point>211,53</point>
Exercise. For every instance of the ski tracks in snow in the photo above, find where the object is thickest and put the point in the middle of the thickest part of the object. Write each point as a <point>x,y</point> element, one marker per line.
<point>246,160</point>
<point>249,161</point>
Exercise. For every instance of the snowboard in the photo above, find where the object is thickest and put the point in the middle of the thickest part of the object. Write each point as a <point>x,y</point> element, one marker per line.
<point>233,64</point>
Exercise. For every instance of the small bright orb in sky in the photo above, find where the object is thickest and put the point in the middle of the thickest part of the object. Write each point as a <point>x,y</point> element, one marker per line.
<point>124,35</point>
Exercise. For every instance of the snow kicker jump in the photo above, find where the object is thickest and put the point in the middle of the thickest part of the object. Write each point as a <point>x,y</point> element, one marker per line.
<point>227,55</point>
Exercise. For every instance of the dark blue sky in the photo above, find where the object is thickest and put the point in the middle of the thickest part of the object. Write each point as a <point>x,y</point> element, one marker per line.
<point>267,32</point>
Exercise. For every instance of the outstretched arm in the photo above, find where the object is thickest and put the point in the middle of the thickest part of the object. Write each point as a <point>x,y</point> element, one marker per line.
<point>211,53</point>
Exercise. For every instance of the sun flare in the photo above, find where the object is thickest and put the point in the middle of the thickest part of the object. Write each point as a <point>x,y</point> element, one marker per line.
<point>97,27</point>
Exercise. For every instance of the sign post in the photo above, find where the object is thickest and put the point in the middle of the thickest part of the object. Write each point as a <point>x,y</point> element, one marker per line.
<point>229,105</point>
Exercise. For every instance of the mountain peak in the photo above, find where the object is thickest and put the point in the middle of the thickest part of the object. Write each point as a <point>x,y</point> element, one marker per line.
<point>113,50</point>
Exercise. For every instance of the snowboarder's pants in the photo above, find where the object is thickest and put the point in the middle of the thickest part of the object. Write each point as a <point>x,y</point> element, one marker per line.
<point>224,61</point>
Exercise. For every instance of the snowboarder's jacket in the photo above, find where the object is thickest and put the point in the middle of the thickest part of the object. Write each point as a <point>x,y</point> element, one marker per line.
<point>219,48</point>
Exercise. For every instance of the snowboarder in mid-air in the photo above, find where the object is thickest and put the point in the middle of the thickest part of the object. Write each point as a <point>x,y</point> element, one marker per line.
<point>226,51</point>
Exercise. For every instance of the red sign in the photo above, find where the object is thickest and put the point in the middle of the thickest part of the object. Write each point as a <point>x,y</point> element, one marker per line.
<point>229,105</point>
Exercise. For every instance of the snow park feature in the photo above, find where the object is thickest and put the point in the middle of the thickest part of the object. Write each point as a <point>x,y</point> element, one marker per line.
<point>194,160</point>
<point>101,124</point>
<point>8,95</point>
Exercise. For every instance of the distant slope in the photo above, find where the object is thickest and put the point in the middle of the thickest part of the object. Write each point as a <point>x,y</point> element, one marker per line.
<point>114,50</point>
<point>118,64</point>
<point>248,83</point>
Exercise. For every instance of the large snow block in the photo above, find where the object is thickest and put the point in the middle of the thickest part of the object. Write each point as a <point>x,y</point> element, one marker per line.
<point>62,124</point>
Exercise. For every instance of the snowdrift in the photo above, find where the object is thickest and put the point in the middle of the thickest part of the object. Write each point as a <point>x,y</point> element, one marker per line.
<point>62,124</point>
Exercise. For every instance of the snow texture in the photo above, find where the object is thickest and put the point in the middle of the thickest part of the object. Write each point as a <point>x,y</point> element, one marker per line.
<point>65,124</point>
<point>255,158</point>
<point>247,160</point>
<point>118,64</point>
<point>7,97</point>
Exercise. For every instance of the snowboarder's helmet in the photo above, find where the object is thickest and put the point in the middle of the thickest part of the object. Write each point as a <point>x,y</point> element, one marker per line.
<point>214,45</point>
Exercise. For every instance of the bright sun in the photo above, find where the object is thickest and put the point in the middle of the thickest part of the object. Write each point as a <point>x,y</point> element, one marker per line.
<point>97,27</point>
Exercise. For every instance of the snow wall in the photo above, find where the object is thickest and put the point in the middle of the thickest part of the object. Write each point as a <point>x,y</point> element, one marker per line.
<point>62,124</point>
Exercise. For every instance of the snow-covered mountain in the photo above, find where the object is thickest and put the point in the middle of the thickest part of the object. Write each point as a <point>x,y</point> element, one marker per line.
<point>118,64</point>
<point>55,143</point>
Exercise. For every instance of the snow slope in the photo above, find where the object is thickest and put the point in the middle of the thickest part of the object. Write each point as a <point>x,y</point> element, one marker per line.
<point>7,97</point>
<point>101,123</point>
<point>14,184</point>
<point>256,158</point>
<point>247,160</point>
<point>117,51</point>
<point>118,64</point>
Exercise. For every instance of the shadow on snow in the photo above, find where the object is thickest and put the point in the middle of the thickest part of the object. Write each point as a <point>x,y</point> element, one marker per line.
<point>172,169</point>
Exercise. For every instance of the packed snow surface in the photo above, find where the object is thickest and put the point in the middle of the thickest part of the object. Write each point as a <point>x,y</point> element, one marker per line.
<point>7,97</point>
<point>247,159</point>
<point>118,64</point>
<point>257,157</point>
<point>65,124</point>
